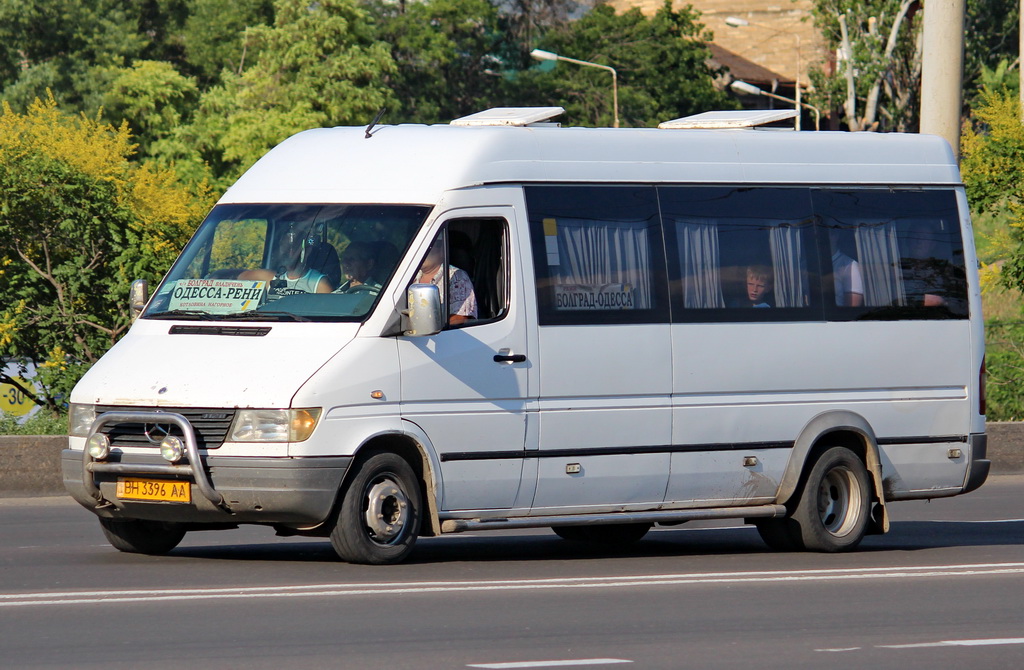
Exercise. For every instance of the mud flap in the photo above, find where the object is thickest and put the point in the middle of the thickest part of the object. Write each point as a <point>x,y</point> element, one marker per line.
<point>879,516</point>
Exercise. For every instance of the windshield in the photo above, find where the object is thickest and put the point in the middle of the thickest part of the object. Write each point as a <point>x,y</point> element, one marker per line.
<point>287,262</point>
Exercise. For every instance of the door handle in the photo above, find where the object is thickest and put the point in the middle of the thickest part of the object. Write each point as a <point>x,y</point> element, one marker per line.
<point>505,357</point>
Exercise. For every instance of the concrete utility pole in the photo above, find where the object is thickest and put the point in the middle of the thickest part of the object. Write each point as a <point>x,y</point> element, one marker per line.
<point>942,70</point>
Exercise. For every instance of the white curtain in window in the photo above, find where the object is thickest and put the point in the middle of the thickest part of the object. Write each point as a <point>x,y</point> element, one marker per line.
<point>699,259</point>
<point>789,263</point>
<point>598,253</point>
<point>878,252</point>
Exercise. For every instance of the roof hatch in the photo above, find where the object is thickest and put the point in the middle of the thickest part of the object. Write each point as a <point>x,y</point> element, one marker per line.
<point>509,116</point>
<point>731,119</point>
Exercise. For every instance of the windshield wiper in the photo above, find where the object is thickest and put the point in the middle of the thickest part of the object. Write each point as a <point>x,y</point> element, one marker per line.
<point>260,315</point>
<point>183,314</point>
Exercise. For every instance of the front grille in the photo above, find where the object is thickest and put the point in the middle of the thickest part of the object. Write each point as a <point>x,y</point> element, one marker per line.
<point>210,425</point>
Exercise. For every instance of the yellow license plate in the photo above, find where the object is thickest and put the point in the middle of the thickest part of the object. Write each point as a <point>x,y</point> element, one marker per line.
<point>154,489</point>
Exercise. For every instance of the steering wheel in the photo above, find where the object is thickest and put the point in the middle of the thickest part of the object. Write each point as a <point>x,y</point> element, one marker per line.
<point>363,288</point>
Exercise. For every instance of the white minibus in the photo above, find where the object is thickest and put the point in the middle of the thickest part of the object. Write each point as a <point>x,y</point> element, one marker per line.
<point>390,332</point>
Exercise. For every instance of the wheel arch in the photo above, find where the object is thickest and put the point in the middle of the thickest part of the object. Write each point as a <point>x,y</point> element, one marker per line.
<point>415,450</point>
<point>836,428</point>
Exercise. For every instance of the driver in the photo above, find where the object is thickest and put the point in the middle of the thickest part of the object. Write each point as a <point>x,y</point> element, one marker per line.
<point>358,265</point>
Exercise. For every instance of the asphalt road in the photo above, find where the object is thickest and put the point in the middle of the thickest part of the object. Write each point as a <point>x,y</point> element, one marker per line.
<point>944,589</point>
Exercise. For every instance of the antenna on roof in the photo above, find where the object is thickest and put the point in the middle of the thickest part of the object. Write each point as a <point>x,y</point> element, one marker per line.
<point>374,122</point>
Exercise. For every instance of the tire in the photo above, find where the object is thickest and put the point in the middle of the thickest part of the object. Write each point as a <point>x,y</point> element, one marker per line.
<point>379,518</point>
<point>779,534</point>
<point>136,536</point>
<point>608,534</point>
<point>834,508</point>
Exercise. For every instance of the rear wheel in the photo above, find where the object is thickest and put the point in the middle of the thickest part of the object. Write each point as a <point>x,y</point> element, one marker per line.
<point>379,519</point>
<point>137,536</point>
<point>834,507</point>
<point>608,534</point>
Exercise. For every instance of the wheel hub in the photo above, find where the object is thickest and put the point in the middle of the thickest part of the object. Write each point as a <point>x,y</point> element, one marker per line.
<point>836,497</point>
<point>387,511</point>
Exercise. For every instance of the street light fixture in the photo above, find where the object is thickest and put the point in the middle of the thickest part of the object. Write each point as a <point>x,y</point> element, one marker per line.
<point>737,22</point>
<point>540,54</point>
<point>741,86</point>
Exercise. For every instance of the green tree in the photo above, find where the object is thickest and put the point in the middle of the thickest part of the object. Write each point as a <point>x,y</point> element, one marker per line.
<point>878,72</point>
<point>64,46</point>
<point>992,166</point>
<point>446,54</point>
<point>318,65</point>
<point>661,63</point>
<point>152,97</point>
<point>990,37</point>
<point>213,34</point>
<point>78,221</point>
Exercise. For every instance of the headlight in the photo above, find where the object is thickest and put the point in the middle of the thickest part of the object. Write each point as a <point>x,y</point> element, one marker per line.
<point>172,449</point>
<point>273,425</point>
<point>80,418</point>
<point>98,447</point>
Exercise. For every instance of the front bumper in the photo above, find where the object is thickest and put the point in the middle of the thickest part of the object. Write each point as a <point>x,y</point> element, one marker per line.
<point>288,491</point>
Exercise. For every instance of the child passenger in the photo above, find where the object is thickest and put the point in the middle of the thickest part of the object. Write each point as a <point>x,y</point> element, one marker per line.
<point>759,285</point>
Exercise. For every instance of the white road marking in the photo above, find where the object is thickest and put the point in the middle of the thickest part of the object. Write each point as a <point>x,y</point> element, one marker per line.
<point>550,664</point>
<point>956,643</point>
<point>403,588</point>
<point>839,649</point>
<point>977,521</point>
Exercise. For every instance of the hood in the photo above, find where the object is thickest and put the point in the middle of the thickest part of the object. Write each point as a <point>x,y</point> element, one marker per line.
<point>152,367</point>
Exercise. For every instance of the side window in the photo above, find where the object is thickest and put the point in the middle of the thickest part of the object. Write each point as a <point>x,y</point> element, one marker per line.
<point>468,262</point>
<point>740,254</point>
<point>597,254</point>
<point>894,254</point>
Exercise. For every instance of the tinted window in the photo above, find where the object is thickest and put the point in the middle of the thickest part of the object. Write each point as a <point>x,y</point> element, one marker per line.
<point>597,254</point>
<point>892,254</point>
<point>740,254</point>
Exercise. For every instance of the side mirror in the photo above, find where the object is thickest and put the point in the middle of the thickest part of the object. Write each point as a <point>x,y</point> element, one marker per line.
<point>423,317</point>
<point>138,297</point>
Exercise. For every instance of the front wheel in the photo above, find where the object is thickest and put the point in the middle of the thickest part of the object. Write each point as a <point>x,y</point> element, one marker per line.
<point>137,536</point>
<point>379,519</point>
<point>834,507</point>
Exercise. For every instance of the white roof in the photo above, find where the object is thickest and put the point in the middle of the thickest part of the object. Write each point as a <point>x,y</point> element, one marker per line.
<point>416,164</point>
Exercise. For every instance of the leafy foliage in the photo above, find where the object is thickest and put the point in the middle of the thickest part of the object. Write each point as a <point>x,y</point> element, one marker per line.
<point>877,77</point>
<point>661,63</point>
<point>1004,359</point>
<point>449,52</point>
<point>212,34</point>
<point>993,172</point>
<point>78,221</point>
<point>317,65</point>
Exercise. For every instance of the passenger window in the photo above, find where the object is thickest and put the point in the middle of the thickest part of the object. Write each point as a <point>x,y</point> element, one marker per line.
<point>740,249</point>
<point>845,270</point>
<point>895,254</point>
<point>468,263</point>
<point>597,254</point>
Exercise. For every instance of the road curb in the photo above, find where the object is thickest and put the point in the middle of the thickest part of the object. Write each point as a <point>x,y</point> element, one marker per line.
<point>30,464</point>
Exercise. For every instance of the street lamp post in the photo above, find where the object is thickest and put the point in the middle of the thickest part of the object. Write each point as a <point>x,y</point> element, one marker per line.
<point>737,22</point>
<point>540,54</point>
<point>743,87</point>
